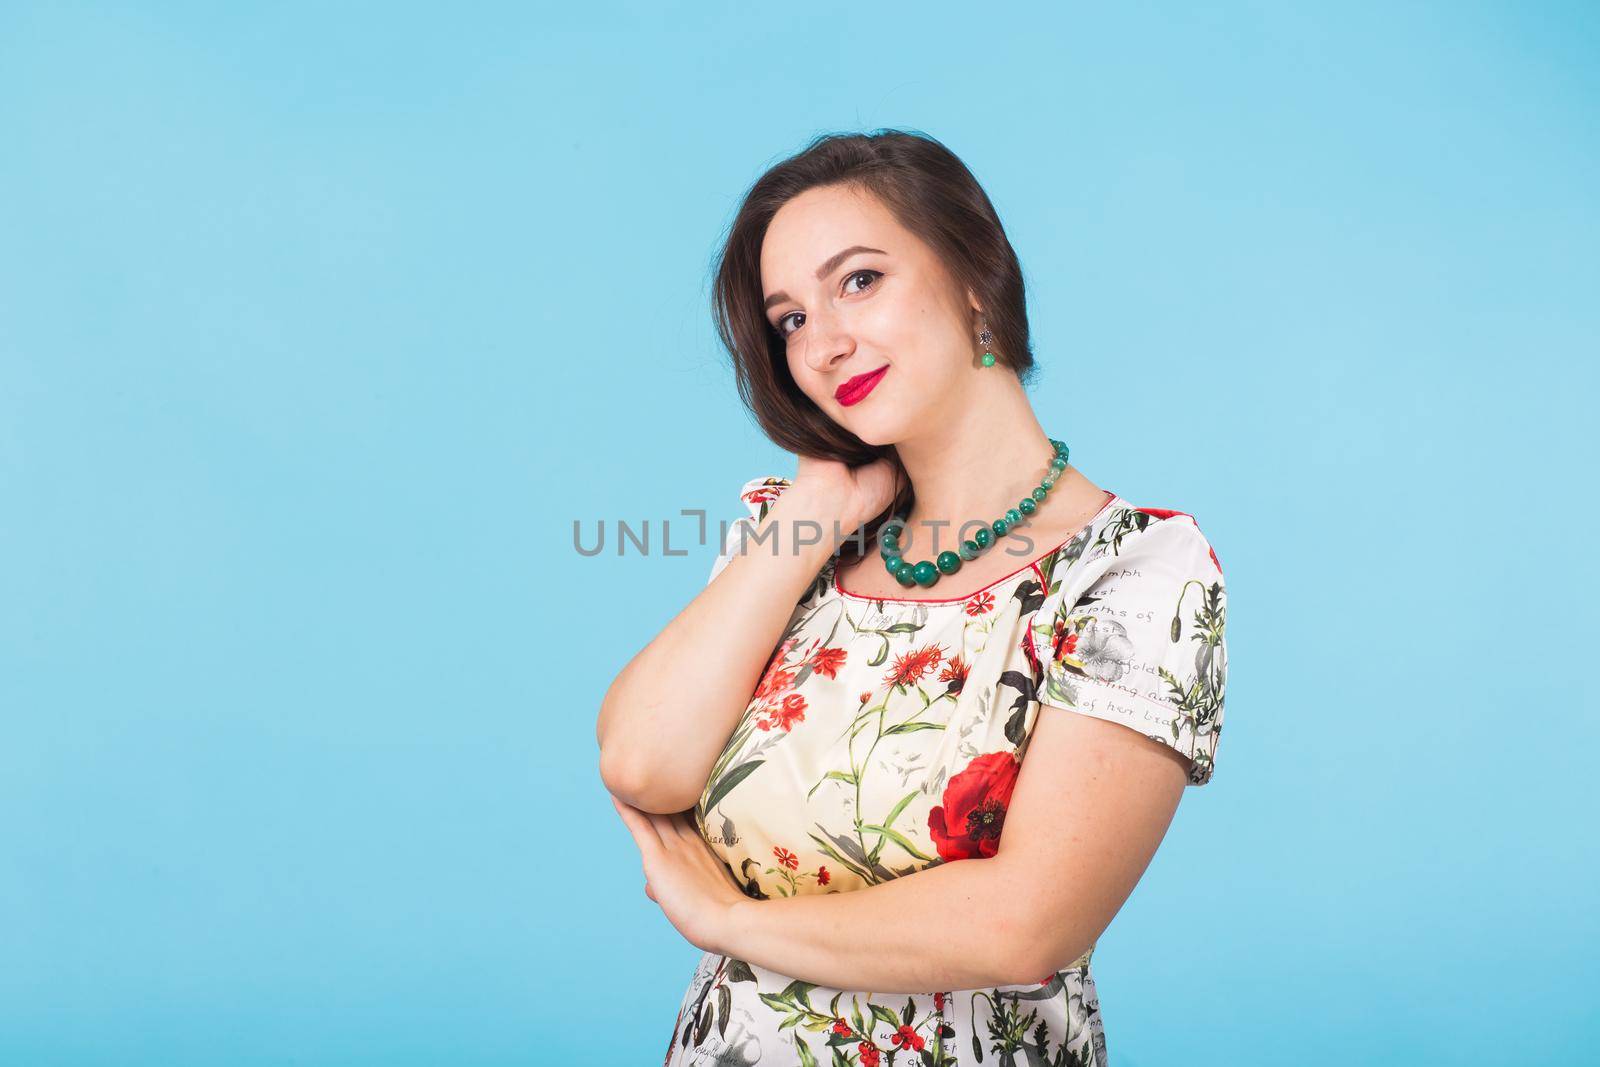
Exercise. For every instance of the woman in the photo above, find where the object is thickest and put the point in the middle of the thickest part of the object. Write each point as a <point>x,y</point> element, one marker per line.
<point>932,596</point>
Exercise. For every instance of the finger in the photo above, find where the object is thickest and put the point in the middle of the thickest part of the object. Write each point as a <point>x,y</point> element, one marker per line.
<point>662,824</point>
<point>678,833</point>
<point>672,824</point>
<point>685,825</point>
<point>638,823</point>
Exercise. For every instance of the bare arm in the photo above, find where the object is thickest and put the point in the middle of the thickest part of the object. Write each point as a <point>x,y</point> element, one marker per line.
<point>1092,802</point>
<point>665,717</point>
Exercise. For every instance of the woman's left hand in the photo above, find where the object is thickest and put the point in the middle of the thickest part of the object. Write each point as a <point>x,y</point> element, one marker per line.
<point>692,886</point>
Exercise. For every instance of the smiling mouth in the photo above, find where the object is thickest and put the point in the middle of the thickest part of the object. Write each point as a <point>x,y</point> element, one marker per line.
<point>856,389</point>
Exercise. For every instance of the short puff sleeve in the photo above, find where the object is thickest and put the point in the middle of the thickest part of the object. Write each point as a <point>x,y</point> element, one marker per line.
<point>757,495</point>
<point>1137,636</point>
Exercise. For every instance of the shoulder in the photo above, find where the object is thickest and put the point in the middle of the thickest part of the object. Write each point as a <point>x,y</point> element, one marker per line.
<point>1143,531</point>
<point>1136,633</point>
<point>1136,557</point>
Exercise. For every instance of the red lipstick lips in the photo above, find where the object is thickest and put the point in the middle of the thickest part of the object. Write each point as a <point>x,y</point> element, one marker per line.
<point>856,389</point>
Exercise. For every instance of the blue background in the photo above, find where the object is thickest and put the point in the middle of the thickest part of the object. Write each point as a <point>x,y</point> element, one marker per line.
<point>320,327</point>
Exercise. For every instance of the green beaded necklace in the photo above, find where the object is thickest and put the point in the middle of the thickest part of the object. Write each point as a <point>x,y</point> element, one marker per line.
<point>927,572</point>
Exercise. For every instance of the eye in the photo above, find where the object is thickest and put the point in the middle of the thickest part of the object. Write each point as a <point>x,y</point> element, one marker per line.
<point>777,327</point>
<point>874,274</point>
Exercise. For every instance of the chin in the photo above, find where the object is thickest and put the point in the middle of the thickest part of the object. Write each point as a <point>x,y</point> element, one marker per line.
<point>877,428</point>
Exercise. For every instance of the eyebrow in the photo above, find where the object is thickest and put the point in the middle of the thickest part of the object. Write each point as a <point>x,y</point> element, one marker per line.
<point>823,271</point>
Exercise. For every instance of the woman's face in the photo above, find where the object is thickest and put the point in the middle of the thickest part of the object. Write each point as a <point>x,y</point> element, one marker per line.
<point>850,293</point>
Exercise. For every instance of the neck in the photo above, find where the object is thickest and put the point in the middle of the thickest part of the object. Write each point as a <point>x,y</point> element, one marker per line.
<point>977,463</point>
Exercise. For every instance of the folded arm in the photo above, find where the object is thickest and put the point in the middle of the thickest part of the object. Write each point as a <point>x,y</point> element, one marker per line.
<point>1092,801</point>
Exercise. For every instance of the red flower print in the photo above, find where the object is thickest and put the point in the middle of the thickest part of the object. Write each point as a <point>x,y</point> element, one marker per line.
<point>907,1038</point>
<point>979,604</point>
<point>842,1027</point>
<point>865,697</point>
<point>955,672</point>
<point>968,824</point>
<point>791,711</point>
<point>1063,641</point>
<point>869,1054</point>
<point>785,857</point>
<point>761,494</point>
<point>774,679</point>
<point>938,1002</point>
<point>911,666</point>
<point>774,683</point>
<point>827,661</point>
<point>823,877</point>
<point>785,715</point>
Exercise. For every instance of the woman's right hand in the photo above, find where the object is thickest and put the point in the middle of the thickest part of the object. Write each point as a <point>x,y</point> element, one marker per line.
<point>851,494</point>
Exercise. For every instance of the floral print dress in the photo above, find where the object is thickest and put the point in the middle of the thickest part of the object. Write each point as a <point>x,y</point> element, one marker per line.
<point>885,737</point>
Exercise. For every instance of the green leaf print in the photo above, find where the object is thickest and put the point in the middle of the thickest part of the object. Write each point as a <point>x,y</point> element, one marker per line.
<point>1200,700</point>
<point>1058,691</point>
<point>834,854</point>
<point>897,837</point>
<point>842,776</point>
<point>727,782</point>
<point>800,992</point>
<point>885,1016</point>
<point>870,871</point>
<point>1008,1028</point>
<point>912,727</point>
<point>882,654</point>
<point>883,634</point>
<point>894,812</point>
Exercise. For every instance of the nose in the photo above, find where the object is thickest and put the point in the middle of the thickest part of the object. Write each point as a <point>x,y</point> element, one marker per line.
<point>828,343</point>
